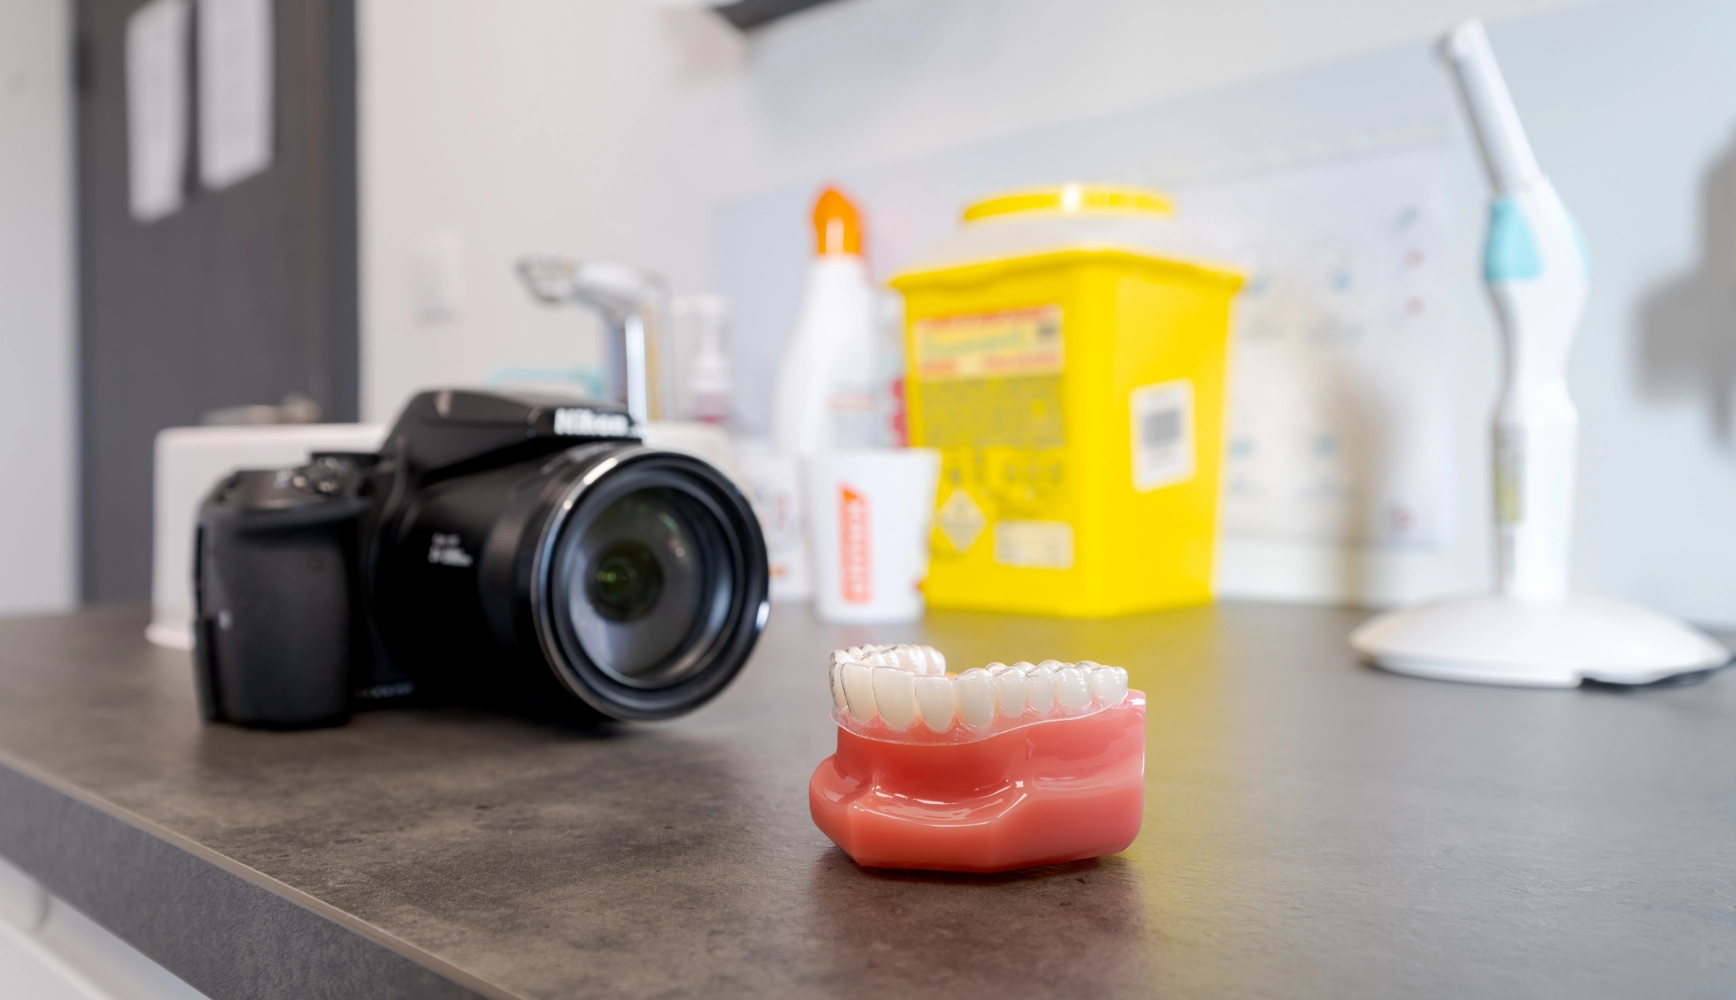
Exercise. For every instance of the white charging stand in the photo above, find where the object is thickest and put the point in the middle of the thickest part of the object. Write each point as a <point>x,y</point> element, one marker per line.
<point>1532,632</point>
<point>1491,639</point>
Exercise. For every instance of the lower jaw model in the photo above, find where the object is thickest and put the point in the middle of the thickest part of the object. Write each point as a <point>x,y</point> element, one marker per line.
<point>988,770</point>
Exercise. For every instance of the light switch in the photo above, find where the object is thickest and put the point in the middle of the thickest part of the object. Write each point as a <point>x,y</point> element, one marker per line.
<point>437,277</point>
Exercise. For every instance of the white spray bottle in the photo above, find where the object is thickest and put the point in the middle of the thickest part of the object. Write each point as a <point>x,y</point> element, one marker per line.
<point>708,379</point>
<point>1531,632</point>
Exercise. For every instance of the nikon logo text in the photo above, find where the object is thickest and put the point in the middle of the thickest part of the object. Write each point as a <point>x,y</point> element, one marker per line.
<point>577,422</point>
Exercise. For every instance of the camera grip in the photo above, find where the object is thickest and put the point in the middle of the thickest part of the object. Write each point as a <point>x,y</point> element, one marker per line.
<point>275,606</point>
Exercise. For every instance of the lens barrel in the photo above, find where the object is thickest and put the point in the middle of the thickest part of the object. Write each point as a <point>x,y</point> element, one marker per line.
<point>650,584</point>
<point>627,580</point>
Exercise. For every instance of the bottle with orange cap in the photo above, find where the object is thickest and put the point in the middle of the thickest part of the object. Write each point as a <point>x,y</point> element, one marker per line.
<point>826,396</point>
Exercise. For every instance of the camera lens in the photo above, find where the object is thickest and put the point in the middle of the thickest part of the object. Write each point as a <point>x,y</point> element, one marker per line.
<point>626,582</point>
<point>644,583</point>
<point>509,553</point>
<point>654,584</point>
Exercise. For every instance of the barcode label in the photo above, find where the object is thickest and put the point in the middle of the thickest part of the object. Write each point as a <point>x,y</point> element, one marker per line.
<point>1163,433</point>
<point>1160,430</point>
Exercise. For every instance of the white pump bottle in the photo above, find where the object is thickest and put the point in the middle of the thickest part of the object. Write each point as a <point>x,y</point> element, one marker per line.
<point>825,389</point>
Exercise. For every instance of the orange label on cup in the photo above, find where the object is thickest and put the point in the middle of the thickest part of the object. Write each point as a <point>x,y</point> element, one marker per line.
<point>855,557</point>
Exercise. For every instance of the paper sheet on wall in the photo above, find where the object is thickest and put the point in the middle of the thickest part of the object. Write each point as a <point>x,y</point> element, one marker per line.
<point>1339,418</point>
<point>157,108</point>
<point>235,90</point>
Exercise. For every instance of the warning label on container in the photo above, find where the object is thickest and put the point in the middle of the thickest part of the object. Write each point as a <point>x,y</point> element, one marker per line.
<point>961,520</point>
<point>989,345</point>
<point>1034,544</point>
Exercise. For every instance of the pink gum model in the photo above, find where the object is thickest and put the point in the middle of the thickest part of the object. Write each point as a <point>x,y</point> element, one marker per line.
<point>989,770</point>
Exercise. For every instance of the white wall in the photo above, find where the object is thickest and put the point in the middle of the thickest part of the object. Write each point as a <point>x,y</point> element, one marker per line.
<point>611,128</point>
<point>614,129</point>
<point>38,431</point>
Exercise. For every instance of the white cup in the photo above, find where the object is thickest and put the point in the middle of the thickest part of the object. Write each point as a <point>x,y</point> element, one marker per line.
<point>868,516</point>
<point>773,484</point>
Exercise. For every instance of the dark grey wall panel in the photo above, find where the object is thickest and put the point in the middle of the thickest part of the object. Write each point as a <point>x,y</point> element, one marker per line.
<point>242,296</point>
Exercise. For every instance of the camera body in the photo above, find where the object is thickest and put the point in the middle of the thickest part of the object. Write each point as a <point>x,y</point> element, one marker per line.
<point>521,551</point>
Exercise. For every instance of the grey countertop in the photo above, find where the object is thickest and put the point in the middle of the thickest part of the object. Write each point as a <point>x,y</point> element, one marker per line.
<point>1312,828</point>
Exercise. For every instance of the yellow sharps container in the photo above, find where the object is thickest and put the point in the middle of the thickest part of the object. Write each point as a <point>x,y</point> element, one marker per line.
<point>1066,355</point>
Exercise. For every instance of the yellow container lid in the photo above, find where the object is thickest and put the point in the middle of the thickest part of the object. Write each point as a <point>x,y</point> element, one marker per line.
<point>1038,227</point>
<point>1071,199</point>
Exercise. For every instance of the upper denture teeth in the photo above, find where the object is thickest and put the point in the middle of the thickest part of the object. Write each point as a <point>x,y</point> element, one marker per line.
<point>1109,685</point>
<point>974,693</point>
<point>934,660</point>
<point>919,660</point>
<point>934,701</point>
<point>895,696</point>
<point>1072,689</point>
<point>903,683</point>
<point>859,691</point>
<point>1040,688</point>
<point>903,657</point>
<point>836,678</point>
<point>1010,693</point>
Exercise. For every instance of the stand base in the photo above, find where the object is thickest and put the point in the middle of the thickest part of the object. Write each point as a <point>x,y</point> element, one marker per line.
<point>1501,640</point>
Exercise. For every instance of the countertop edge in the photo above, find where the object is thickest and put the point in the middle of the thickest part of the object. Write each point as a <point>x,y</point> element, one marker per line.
<point>226,929</point>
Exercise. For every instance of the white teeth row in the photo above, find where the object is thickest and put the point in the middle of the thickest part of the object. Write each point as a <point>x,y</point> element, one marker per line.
<point>919,660</point>
<point>904,686</point>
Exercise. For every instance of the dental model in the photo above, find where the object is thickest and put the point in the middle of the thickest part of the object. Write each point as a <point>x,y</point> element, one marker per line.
<point>992,769</point>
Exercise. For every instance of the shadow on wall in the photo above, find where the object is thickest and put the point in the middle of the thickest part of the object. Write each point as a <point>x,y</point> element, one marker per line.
<point>1688,327</point>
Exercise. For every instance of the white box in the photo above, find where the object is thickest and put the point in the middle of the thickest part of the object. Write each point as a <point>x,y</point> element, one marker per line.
<point>189,461</point>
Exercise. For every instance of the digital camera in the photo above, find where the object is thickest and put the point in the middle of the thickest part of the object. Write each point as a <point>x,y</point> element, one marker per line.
<point>512,550</point>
